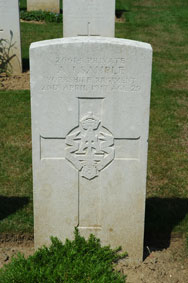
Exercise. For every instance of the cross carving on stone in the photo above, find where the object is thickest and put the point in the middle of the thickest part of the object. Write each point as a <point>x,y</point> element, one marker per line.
<point>89,148</point>
<point>88,31</point>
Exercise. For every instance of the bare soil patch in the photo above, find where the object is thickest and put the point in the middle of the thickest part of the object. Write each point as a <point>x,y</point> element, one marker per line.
<point>169,265</point>
<point>12,244</point>
<point>120,20</point>
<point>33,22</point>
<point>15,82</point>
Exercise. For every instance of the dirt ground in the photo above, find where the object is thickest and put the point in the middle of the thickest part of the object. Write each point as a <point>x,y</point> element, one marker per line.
<point>169,265</point>
<point>15,82</point>
<point>166,266</point>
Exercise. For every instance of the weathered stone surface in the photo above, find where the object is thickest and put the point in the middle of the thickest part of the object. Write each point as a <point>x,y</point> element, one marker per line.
<point>88,17</point>
<point>44,5</point>
<point>90,114</point>
<point>10,47</point>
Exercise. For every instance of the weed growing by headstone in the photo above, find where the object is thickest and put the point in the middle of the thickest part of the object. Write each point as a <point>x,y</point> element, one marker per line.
<point>6,55</point>
<point>79,260</point>
<point>10,45</point>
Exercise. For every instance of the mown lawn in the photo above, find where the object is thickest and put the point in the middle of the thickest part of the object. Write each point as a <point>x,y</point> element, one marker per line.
<point>16,211</point>
<point>163,23</point>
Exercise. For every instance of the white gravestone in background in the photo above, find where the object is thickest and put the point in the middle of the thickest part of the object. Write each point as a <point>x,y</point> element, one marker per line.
<point>44,5</point>
<point>90,114</point>
<point>88,17</point>
<point>10,47</point>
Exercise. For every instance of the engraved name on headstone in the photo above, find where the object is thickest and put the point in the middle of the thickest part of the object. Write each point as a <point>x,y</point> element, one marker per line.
<point>88,18</point>
<point>44,5</point>
<point>90,115</point>
<point>10,36</point>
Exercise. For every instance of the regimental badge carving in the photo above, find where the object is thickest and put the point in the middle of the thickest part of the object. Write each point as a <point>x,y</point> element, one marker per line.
<point>90,147</point>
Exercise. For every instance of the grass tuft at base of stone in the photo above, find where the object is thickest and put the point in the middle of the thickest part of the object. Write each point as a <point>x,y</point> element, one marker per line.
<point>79,260</point>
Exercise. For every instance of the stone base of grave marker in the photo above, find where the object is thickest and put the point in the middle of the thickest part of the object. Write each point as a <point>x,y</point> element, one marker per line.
<point>10,46</point>
<point>44,5</point>
<point>90,115</point>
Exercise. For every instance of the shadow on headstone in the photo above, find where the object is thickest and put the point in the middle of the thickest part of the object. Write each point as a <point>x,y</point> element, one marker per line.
<point>162,215</point>
<point>9,205</point>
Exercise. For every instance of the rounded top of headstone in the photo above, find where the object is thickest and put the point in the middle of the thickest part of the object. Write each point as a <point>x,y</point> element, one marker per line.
<point>91,40</point>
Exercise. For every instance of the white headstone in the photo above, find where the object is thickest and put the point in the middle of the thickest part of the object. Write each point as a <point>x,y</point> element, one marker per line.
<point>88,17</point>
<point>90,114</point>
<point>10,47</point>
<point>44,5</point>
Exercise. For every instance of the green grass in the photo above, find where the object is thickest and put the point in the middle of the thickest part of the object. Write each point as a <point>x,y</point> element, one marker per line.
<point>36,32</point>
<point>16,210</point>
<point>23,4</point>
<point>123,5</point>
<point>75,261</point>
<point>163,23</point>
